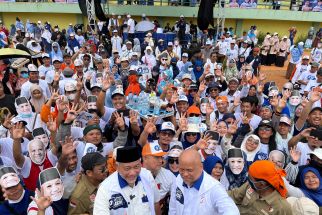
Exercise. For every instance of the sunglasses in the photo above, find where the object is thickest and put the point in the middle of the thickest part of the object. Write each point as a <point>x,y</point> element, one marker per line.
<point>265,129</point>
<point>284,88</point>
<point>193,90</point>
<point>167,133</point>
<point>172,161</point>
<point>194,114</point>
<point>191,134</point>
<point>163,59</point>
<point>213,90</point>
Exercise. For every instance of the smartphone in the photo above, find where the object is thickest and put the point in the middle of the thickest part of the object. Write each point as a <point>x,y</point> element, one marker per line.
<point>126,112</point>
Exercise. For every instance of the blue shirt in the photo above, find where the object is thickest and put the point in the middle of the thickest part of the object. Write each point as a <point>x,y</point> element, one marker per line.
<point>16,208</point>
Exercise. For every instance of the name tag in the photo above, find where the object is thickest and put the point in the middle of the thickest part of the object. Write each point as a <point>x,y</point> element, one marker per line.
<point>117,201</point>
<point>179,196</point>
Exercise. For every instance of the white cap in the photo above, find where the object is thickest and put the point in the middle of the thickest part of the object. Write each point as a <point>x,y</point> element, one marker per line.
<point>286,120</point>
<point>183,98</point>
<point>128,16</point>
<point>143,15</point>
<point>57,59</point>
<point>275,33</point>
<point>133,68</point>
<point>170,43</point>
<point>128,42</point>
<point>148,48</point>
<point>186,76</point>
<point>285,37</point>
<point>175,153</point>
<point>301,43</point>
<point>70,23</point>
<point>71,34</point>
<point>148,34</point>
<point>124,59</point>
<point>185,55</point>
<point>113,14</point>
<point>39,22</point>
<point>78,62</point>
<point>45,55</point>
<point>167,126</point>
<point>27,35</point>
<point>114,31</point>
<point>193,128</point>
<point>181,16</point>
<point>117,91</point>
<point>317,152</point>
<point>69,87</point>
<point>232,41</point>
<point>32,68</point>
<point>306,57</point>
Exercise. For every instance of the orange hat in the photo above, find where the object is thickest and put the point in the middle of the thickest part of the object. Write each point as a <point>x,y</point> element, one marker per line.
<point>193,109</point>
<point>222,98</point>
<point>266,170</point>
<point>153,149</point>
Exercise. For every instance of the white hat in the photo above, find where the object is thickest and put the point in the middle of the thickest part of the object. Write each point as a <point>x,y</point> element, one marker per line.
<point>71,34</point>
<point>303,206</point>
<point>113,14</point>
<point>134,54</point>
<point>148,34</point>
<point>170,43</point>
<point>306,57</point>
<point>301,43</point>
<point>32,68</point>
<point>133,68</point>
<point>181,16</point>
<point>317,152</point>
<point>174,153</point>
<point>148,48</point>
<point>57,59</point>
<point>286,120</point>
<point>143,15</point>
<point>128,16</point>
<point>45,55</point>
<point>39,22</point>
<point>78,62</point>
<point>183,98</point>
<point>70,23</point>
<point>114,31</point>
<point>193,128</point>
<point>285,37</point>
<point>69,87</point>
<point>128,42</point>
<point>117,91</point>
<point>186,76</point>
<point>232,41</point>
<point>275,33</point>
<point>167,126</point>
<point>124,59</point>
<point>27,35</point>
<point>185,55</point>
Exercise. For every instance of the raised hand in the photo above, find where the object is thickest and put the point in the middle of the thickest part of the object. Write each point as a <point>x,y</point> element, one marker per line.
<point>51,124</point>
<point>262,77</point>
<point>134,117</point>
<point>18,131</point>
<point>203,142</point>
<point>306,132</point>
<point>54,95</point>
<point>7,121</point>
<point>295,154</point>
<point>174,98</point>
<point>245,119</point>
<point>315,95</point>
<point>72,113</point>
<point>41,201</point>
<point>62,104</point>
<point>218,72</point>
<point>274,101</point>
<point>304,102</point>
<point>183,122</point>
<point>281,104</point>
<point>287,94</point>
<point>68,146</point>
<point>209,109</point>
<point>202,86</point>
<point>260,88</point>
<point>119,121</point>
<point>232,129</point>
<point>236,101</point>
<point>57,76</point>
<point>107,82</point>
<point>80,85</point>
<point>150,125</point>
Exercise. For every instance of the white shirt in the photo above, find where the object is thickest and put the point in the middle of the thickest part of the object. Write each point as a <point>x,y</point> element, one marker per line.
<point>254,122</point>
<point>131,24</point>
<point>300,68</point>
<point>43,70</point>
<point>80,39</point>
<point>164,180</point>
<point>222,47</point>
<point>306,76</point>
<point>305,150</point>
<point>25,89</point>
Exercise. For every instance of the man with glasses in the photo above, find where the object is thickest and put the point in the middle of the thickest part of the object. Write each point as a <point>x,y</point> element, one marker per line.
<point>83,196</point>
<point>213,91</point>
<point>264,193</point>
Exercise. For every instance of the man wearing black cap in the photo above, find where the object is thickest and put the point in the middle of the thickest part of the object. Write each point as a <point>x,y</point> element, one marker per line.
<point>95,171</point>
<point>129,190</point>
<point>18,198</point>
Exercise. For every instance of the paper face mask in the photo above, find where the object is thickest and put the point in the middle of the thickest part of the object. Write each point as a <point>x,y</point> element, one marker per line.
<point>211,147</point>
<point>203,108</point>
<point>295,100</point>
<point>36,151</point>
<point>53,188</point>
<point>236,165</point>
<point>91,105</point>
<point>24,110</point>
<point>44,139</point>
<point>9,180</point>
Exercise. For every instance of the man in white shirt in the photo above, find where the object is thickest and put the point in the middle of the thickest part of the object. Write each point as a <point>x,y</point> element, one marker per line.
<point>152,155</point>
<point>314,84</point>
<point>183,61</point>
<point>116,41</point>
<point>301,68</point>
<point>232,52</point>
<point>222,46</point>
<point>43,69</point>
<point>129,190</point>
<point>34,79</point>
<point>79,37</point>
<point>308,76</point>
<point>56,69</point>
<point>196,192</point>
<point>130,27</point>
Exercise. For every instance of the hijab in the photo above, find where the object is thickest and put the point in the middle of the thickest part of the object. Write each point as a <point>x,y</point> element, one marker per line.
<point>37,103</point>
<point>251,155</point>
<point>315,195</point>
<point>236,181</point>
<point>210,162</point>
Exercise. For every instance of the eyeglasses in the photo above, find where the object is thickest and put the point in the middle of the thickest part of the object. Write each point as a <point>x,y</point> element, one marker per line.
<point>167,133</point>
<point>163,59</point>
<point>284,88</point>
<point>191,134</point>
<point>265,129</point>
<point>213,90</point>
<point>193,90</point>
<point>172,161</point>
<point>210,78</point>
<point>194,114</point>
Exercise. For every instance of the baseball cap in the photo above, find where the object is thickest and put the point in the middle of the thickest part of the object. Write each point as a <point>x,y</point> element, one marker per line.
<point>306,57</point>
<point>57,59</point>
<point>68,72</point>
<point>117,92</point>
<point>148,48</point>
<point>32,68</point>
<point>90,128</point>
<point>96,85</point>
<point>78,62</point>
<point>128,16</point>
<point>45,55</point>
<point>18,119</point>
<point>228,116</point>
<point>233,79</point>
<point>193,110</point>
<point>193,87</point>
<point>153,149</point>
<point>92,159</point>
<point>170,43</point>
<point>192,128</point>
<point>285,119</point>
<point>128,42</point>
<point>181,16</point>
<point>315,64</point>
<point>222,99</point>
<point>183,98</point>
<point>114,31</point>
<point>232,41</point>
<point>316,108</point>
<point>266,123</point>
<point>186,76</point>
<point>185,55</point>
<point>317,152</point>
<point>71,34</point>
<point>213,85</point>
<point>124,59</point>
<point>167,126</point>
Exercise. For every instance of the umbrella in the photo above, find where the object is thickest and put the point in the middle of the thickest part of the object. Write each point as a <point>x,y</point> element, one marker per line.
<point>13,53</point>
<point>144,26</point>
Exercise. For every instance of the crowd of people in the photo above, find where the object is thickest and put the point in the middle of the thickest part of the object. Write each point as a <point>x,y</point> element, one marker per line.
<point>93,123</point>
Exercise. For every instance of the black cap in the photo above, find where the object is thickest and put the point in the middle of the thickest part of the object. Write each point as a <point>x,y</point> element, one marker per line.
<point>267,123</point>
<point>228,116</point>
<point>213,85</point>
<point>128,154</point>
<point>150,82</point>
<point>235,153</point>
<point>6,169</point>
<point>319,71</point>
<point>48,175</point>
<point>92,159</point>
<point>21,100</point>
<point>38,131</point>
<point>193,87</point>
<point>214,135</point>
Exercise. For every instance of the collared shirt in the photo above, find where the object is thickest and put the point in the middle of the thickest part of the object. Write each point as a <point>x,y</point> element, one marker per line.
<point>190,194</point>
<point>138,199</point>
<point>82,199</point>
